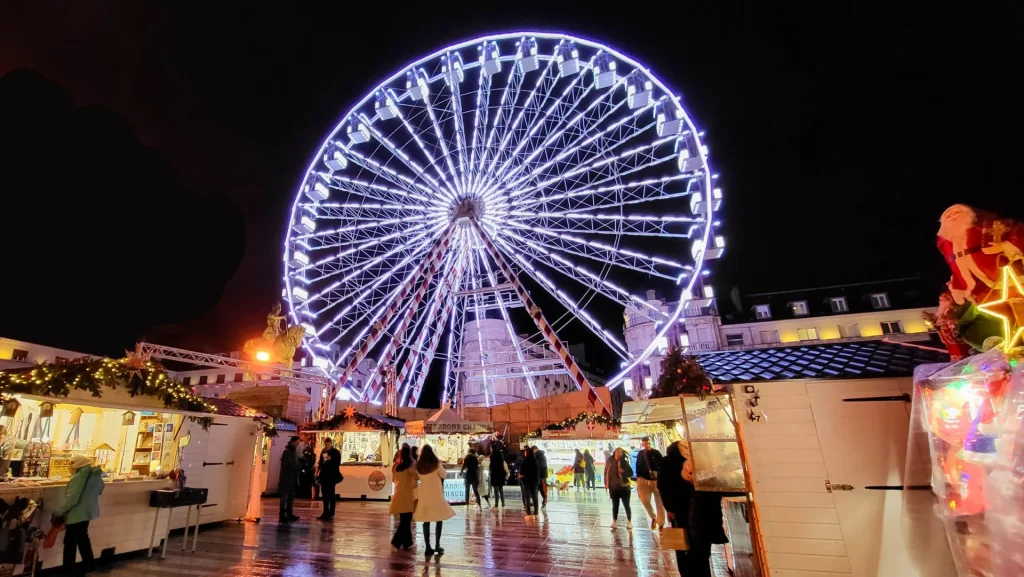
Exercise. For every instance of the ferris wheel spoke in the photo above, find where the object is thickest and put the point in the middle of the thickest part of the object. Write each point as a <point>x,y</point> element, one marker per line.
<point>588,147</point>
<point>616,195</point>
<point>411,246</point>
<point>513,337</point>
<point>443,142</point>
<point>448,190</point>
<point>578,273</point>
<point>413,189</point>
<point>596,251</point>
<point>361,210</point>
<point>480,115</point>
<point>454,76</point>
<point>370,190</point>
<point>611,167</point>
<point>506,106</point>
<point>613,224</point>
<point>456,322</point>
<point>404,158</point>
<point>360,231</point>
<point>358,248</point>
<point>477,317</point>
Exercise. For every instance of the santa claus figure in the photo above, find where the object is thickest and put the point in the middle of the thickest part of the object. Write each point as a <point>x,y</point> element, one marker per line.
<point>977,245</point>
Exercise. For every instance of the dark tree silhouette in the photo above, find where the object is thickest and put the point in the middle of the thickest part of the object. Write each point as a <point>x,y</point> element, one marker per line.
<point>681,374</point>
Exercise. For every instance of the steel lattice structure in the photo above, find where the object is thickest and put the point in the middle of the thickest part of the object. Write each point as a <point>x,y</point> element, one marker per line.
<point>518,156</point>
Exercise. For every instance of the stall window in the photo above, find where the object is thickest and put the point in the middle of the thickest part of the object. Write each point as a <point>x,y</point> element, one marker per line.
<point>361,448</point>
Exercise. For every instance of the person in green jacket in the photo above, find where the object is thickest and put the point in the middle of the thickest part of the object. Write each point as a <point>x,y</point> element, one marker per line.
<point>81,505</point>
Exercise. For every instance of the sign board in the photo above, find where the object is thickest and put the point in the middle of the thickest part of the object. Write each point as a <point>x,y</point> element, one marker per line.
<point>419,428</point>
<point>583,430</point>
<point>455,490</point>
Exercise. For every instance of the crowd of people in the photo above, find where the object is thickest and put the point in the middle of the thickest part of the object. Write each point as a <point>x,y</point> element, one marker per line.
<point>664,485</point>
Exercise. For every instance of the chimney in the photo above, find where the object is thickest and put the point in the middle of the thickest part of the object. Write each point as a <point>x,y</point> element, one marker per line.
<point>651,295</point>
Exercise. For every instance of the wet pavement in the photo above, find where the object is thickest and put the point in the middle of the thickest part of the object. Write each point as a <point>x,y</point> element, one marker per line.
<point>570,538</point>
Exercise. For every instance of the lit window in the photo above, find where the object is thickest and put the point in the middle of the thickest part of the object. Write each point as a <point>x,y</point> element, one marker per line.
<point>880,301</point>
<point>807,334</point>
<point>648,383</point>
<point>734,339</point>
<point>627,382</point>
<point>769,337</point>
<point>762,312</point>
<point>799,308</point>
<point>220,379</point>
<point>849,331</point>
<point>662,344</point>
<point>838,305</point>
<point>891,328</point>
<point>684,340</point>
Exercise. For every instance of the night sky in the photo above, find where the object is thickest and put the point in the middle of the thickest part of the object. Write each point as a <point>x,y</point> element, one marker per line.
<point>149,154</point>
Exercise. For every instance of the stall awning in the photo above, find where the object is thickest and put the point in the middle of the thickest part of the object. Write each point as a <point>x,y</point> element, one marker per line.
<point>652,411</point>
<point>228,408</point>
<point>446,421</point>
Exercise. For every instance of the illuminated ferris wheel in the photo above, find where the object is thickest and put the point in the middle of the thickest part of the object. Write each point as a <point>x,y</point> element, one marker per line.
<point>476,176</point>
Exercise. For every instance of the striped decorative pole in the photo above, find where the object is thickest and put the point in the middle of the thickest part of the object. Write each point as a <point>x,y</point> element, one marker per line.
<point>538,317</point>
<point>433,262</point>
<point>434,257</point>
<point>448,298</point>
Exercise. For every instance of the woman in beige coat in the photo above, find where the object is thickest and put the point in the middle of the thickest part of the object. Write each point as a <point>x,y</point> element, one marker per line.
<point>403,501</point>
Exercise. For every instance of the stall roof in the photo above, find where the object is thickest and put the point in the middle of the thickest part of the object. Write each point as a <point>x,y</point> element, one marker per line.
<point>852,360</point>
<point>652,411</point>
<point>285,425</point>
<point>232,409</point>
<point>447,421</point>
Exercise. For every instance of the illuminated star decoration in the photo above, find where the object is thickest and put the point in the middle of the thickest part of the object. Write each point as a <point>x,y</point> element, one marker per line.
<point>350,411</point>
<point>1004,309</point>
<point>136,361</point>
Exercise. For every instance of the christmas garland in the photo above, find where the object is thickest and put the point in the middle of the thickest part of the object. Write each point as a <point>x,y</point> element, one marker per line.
<point>361,420</point>
<point>138,375</point>
<point>573,421</point>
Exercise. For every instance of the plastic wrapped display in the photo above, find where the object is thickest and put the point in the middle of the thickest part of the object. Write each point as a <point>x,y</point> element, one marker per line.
<point>969,415</point>
<point>714,450</point>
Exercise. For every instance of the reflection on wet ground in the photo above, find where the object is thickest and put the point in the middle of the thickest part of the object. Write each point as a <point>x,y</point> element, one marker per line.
<point>570,538</point>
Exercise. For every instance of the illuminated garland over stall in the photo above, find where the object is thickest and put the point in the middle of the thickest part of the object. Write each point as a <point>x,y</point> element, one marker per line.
<point>340,419</point>
<point>138,375</point>
<point>572,422</point>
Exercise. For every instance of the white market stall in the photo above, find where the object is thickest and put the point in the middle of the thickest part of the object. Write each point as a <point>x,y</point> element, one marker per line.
<point>585,432</point>
<point>136,440</point>
<point>367,445</point>
<point>450,436</point>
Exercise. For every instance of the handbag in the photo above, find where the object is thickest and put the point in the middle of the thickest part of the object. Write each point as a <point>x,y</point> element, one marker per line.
<point>674,539</point>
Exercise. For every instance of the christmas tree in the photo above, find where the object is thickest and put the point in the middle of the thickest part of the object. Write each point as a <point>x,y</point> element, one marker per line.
<point>681,374</point>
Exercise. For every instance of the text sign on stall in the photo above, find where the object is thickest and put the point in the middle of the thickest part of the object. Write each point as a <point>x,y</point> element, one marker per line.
<point>455,490</point>
<point>419,428</point>
<point>583,430</point>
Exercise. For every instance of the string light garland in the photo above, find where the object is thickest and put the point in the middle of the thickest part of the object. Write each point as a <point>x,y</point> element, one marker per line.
<point>361,420</point>
<point>573,421</point>
<point>140,376</point>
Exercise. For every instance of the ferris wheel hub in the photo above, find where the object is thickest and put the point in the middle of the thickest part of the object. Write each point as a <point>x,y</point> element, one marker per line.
<point>468,207</point>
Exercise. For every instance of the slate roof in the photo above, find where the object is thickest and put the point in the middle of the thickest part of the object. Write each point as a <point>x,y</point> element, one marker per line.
<point>285,425</point>
<point>233,409</point>
<point>852,360</point>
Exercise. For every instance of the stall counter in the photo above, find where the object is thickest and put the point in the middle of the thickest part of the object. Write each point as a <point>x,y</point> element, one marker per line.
<point>365,481</point>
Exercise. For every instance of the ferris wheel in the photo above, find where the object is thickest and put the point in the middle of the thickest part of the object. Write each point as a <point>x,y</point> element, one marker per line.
<point>477,176</point>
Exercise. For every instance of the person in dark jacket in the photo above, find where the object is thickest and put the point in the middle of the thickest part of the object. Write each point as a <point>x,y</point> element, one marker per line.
<point>648,461</point>
<point>617,475</point>
<point>328,475</point>
<point>498,468</point>
<point>471,477</point>
<point>542,474</point>
<point>578,469</point>
<point>588,469</point>
<point>528,479</point>
<point>307,478</point>
<point>676,493</point>
<point>288,481</point>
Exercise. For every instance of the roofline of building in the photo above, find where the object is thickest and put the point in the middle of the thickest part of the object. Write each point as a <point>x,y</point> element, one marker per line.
<point>853,284</point>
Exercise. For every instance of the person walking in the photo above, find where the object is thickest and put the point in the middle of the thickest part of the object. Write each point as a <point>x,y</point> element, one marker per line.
<point>647,463</point>
<point>676,493</point>
<point>471,477</point>
<point>528,480</point>
<point>705,527</point>
<point>617,475</point>
<point>431,507</point>
<point>329,475</point>
<point>542,474</point>
<point>499,474</point>
<point>288,481</point>
<point>403,503</point>
<point>588,469</point>
<point>578,469</point>
<point>81,505</point>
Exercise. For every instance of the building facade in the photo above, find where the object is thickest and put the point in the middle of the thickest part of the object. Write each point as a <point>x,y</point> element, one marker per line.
<point>885,310</point>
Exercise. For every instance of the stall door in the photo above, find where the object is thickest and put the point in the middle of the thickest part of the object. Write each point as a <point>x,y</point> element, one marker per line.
<point>862,429</point>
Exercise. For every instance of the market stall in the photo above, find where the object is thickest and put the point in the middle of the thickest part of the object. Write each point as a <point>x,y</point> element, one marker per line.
<point>367,444</point>
<point>138,426</point>
<point>585,432</point>
<point>451,436</point>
